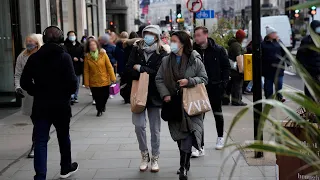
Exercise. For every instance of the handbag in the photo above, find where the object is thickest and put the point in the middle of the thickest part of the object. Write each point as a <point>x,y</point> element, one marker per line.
<point>139,93</point>
<point>196,100</point>
<point>114,89</point>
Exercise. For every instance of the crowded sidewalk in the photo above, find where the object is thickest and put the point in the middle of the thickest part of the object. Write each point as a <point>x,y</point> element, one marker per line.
<point>106,147</point>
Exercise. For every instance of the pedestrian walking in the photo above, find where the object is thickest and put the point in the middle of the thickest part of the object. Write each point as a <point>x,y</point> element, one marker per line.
<point>88,51</point>
<point>217,66</point>
<point>235,53</point>
<point>119,53</point>
<point>49,72</point>
<point>146,56</point>
<point>32,43</point>
<point>309,58</point>
<point>273,66</point>
<point>183,68</point>
<point>76,51</point>
<point>98,75</point>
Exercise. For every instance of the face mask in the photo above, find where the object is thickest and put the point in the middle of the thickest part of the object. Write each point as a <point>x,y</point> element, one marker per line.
<point>174,48</point>
<point>149,39</point>
<point>72,38</point>
<point>317,30</point>
<point>30,47</point>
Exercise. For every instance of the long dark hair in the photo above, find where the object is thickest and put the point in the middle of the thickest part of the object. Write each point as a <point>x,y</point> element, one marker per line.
<point>185,41</point>
<point>133,35</point>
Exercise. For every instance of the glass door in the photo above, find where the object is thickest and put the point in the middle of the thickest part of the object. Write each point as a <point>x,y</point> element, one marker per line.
<point>7,90</point>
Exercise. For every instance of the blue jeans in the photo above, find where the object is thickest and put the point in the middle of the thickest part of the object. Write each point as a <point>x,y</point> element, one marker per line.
<point>75,95</point>
<point>268,87</point>
<point>41,134</point>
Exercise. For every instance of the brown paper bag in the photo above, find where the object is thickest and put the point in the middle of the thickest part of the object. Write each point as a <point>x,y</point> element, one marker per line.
<point>196,100</point>
<point>139,93</point>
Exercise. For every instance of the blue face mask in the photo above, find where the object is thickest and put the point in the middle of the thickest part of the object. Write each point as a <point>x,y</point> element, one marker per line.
<point>174,48</point>
<point>72,38</point>
<point>317,30</point>
<point>149,39</point>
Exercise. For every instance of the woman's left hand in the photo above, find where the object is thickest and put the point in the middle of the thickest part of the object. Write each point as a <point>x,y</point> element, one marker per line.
<point>183,82</point>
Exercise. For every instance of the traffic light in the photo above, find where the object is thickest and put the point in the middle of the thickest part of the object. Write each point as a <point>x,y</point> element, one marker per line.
<point>296,13</point>
<point>313,10</point>
<point>178,10</point>
<point>111,23</point>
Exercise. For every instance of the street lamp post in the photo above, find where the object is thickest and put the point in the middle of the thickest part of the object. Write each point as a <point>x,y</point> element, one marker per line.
<point>256,63</point>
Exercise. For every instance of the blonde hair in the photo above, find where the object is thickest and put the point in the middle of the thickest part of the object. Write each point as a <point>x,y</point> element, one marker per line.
<point>124,35</point>
<point>37,38</point>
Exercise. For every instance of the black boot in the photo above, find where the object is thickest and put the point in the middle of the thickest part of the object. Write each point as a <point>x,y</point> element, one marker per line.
<point>184,165</point>
<point>99,113</point>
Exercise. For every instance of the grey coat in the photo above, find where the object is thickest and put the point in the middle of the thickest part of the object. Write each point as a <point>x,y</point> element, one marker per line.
<point>196,74</point>
<point>27,101</point>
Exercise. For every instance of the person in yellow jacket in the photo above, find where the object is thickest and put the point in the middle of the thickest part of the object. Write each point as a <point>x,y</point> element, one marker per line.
<point>98,74</point>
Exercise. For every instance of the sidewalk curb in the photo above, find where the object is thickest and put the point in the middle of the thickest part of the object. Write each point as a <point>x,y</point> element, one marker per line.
<point>74,118</point>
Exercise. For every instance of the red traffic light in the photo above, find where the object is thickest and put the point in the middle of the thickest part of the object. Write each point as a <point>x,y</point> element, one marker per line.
<point>111,23</point>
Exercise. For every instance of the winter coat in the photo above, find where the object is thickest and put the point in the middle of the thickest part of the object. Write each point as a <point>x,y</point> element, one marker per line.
<point>27,101</point>
<point>308,58</point>
<point>75,51</point>
<point>270,60</point>
<point>151,67</point>
<point>119,56</point>
<point>235,49</point>
<point>49,73</point>
<point>196,73</point>
<point>110,49</point>
<point>216,62</point>
<point>98,73</point>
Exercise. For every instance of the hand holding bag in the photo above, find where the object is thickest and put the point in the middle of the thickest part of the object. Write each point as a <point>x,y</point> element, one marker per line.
<point>196,100</point>
<point>139,93</point>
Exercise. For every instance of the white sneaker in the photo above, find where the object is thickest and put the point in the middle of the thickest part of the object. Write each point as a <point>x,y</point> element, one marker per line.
<point>93,102</point>
<point>154,164</point>
<point>144,161</point>
<point>198,153</point>
<point>220,143</point>
<point>111,96</point>
<point>83,86</point>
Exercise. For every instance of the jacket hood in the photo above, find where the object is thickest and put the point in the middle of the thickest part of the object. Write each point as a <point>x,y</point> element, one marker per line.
<point>194,56</point>
<point>51,48</point>
<point>231,41</point>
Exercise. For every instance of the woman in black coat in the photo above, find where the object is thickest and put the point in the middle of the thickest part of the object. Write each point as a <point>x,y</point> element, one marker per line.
<point>76,51</point>
<point>146,57</point>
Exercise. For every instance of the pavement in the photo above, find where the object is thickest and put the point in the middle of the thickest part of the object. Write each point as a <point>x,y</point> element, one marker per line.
<point>106,147</point>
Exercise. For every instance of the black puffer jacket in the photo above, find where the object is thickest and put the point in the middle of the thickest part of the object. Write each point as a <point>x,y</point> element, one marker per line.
<point>216,61</point>
<point>75,51</point>
<point>151,67</point>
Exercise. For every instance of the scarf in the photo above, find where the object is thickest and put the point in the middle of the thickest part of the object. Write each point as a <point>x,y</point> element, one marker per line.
<point>94,54</point>
<point>149,50</point>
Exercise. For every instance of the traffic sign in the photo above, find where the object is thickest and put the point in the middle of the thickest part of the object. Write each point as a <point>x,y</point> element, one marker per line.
<point>194,5</point>
<point>205,14</point>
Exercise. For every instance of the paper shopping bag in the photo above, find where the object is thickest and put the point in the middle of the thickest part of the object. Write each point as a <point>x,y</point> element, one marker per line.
<point>196,100</point>
<point>139,93</point>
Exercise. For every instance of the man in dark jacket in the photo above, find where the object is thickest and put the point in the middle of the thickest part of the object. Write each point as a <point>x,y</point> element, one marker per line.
<point>76,51</point>
<point>310,59</point>
<point>50,72</point>
<point>217,66</point>
<point>110,49</point>
<point>235,53</point>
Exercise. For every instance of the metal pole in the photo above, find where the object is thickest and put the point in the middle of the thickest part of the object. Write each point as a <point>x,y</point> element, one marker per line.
<point>256,63</point>
<point>194,21</point>
<point>171,20</point>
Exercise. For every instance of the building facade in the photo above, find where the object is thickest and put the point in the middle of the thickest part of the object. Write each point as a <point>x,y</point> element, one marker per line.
<point>22,17</point>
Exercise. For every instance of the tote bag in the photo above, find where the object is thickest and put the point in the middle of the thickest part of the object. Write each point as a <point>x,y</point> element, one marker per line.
<point>139,93</point>
<point>196,100</point>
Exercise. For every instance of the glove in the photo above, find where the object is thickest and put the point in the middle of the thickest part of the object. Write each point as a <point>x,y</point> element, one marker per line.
<point>20,93</point>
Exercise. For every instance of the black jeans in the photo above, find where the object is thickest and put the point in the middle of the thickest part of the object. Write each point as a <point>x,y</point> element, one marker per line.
<point>41,136</point>
<point>100,95</point>
<point>215,93</point>
<point>236,90</point>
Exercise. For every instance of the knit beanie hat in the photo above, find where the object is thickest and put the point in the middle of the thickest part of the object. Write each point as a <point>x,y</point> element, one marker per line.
<point>270,30</point>
<point>154,29</point>
<point>240,34</point>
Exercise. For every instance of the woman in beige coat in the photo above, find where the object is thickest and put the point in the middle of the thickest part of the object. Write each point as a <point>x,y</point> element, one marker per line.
<point>33,43</point>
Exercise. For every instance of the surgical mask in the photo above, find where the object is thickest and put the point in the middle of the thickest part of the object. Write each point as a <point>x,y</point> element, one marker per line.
<point>72,38</point>
<point>317,30</point>
<point>174,48</point>
<point>149,39</point>
<point>30,47</point>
